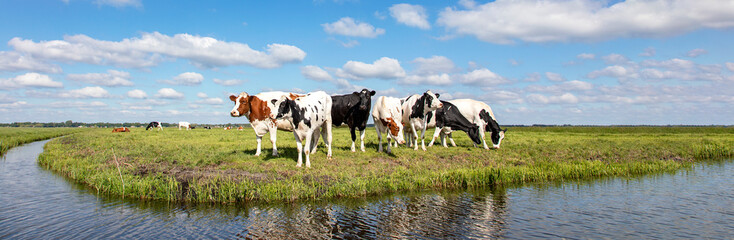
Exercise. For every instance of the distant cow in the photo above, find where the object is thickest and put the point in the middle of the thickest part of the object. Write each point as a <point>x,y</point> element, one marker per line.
<point>207,127</point>
<point>154,125</point>
<point>448,119</point>
<point>480,114</point>
<point>228,128</point>
<point>387,114</point>
<point>415,110</point>
<point>240,128</point>
<point>121,129</point>
<point>309,115</point>
<point>185,125</point>
<point>353,110</point>
<point>258,108</point>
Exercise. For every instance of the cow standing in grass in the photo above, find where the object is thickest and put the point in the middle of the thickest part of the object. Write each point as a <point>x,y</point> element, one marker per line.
<point>154,125</point>
<point>185,125</point>
<point>387,115</point>
<point>309,115</point>
<point>257,109</point>
<point>449,119</point>
<point>353,110</point>
<point>480,114</point>
<point>415,110</point>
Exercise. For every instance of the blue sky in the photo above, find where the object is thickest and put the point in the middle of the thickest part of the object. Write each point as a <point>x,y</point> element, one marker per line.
<point>534,62</point>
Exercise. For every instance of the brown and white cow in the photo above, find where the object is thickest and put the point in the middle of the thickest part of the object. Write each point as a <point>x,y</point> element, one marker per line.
<point>240,128</point>
<point>121,129</point>
<point>257,109</point>
<point>387,114</point>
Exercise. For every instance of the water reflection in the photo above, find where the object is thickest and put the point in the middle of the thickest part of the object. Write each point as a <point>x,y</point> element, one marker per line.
<point>688,204</point>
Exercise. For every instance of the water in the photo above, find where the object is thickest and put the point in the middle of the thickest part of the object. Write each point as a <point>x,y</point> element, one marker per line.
<point>698,203</point>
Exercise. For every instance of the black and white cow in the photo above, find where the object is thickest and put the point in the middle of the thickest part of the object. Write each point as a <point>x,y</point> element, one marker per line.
<point>353,110</point>
<point>154,125</point>
<point>449,119</point>
<point>415,109</point>
<point>387,114</point>
<point>310,115</point>
<point>480,114</point>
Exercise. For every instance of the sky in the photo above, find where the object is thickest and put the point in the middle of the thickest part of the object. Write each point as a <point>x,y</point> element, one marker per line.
<point>534,62</point>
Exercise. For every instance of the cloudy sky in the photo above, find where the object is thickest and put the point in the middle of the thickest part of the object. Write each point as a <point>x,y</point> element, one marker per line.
<point>534,62</point>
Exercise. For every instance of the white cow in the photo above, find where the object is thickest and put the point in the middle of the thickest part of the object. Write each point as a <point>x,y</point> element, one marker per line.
<point>309,115</point>
<point>185,125</point>
<point>257,109</point>
<point>480,114</point>
<point>415,108</point>
<point>387,114</point>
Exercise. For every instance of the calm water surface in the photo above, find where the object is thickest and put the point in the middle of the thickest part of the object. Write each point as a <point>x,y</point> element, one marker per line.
<point>697,203</point>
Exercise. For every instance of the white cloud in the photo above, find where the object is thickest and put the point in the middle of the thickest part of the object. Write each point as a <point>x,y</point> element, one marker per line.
<point>87,92</point>
<point>211,101</point>
<point>201,95</point>
<point>119,3</point>
<point>532,77</point>
<point>112,78</point>
<point>349,27</point>
<point>18,104</point>
<point>566,98</point>
<point>229,82</point>
<point>434,79</point>
<point>584,20</point>
<point>433,65</point>
<point>137,93</point>
<point>13,62</point>
<point>469,4</point>
<point>615,71</point>
<point>4,98</point>
<point>649,52</point>
<point>383,68</point>
<point>573,85</point>
<point>30,80</point>
<point>482,77</point>
<point>77,104</point>
<point>615,59</point>
<point>315,73</point>
<point>169,93</point>
<point>186,79</point>
<point>730,66</point>
<point>151,48</point>
<point>411,15</point>
<point>696,52</point>
<point>586,56</point>
<point>555,77</point>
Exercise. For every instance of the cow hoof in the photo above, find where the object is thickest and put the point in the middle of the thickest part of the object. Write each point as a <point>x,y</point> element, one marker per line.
<point>257,154</point>
<point>362,149</point>
<point>354,150</point>
<point>298,165</point>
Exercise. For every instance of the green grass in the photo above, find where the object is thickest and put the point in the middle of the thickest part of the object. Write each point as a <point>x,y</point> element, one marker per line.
<point>219,166</point>
<point>13,137</point>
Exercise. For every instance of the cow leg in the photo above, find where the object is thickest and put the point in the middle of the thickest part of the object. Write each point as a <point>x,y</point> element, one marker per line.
<point>361,140</point>
<point>259,141</point>
<point>327,137</point>
<point>299,146</point>
<point>354,137</point>
<point>484,142</point>
<point>415,136</point>
<point>451,138</point>
<point>423,134</point>
<point>273,139</point>
<point>388,144</point>
<point>379,138</point>
<point>435,135</point>
<point>307,151</point>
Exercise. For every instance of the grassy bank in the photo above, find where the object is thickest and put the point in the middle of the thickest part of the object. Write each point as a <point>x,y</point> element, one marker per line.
<point>13,137</point>
<point>219,166</point>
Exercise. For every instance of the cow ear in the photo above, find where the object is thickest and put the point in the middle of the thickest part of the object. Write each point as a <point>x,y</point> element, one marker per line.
<point>437,95</point>
<point>372,93</point>
<point>273,101</point>
<point>233,98</point>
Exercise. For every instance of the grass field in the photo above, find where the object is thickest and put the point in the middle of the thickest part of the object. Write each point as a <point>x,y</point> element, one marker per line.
<point>13,137</point>
<point>219,166</point>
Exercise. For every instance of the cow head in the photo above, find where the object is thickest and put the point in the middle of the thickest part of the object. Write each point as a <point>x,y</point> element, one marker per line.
<point>394,130</point>
<point>283,106</point>
<point>365,98</point>
<point>430,101</point>
<point>241,105</point>
<point>497,137</point>
<point>474,135</point>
